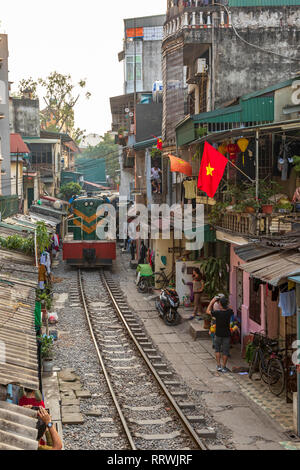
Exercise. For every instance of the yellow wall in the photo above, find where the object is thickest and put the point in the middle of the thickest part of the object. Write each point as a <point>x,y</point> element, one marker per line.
<point>13,172</point>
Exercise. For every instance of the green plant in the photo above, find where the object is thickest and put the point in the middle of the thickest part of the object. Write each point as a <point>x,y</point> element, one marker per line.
<point>250,348</point>
<point>155,153</point>
<point>297,163</point>
<point>17,243</point>
<point>215,271</point>
<point>268,190</point>
<point>70,189</point>
<point>284,206</point>
<point>201,132</point>
<point>45,299</point>
<point>216,212</point>
<point>46,347</point>
<point>42,236</point>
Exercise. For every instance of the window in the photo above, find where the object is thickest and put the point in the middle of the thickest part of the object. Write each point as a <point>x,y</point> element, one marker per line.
<point>130,68</point>
<point>255,301</point>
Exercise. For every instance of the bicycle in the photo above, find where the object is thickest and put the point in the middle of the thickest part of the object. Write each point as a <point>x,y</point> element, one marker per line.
<point>269,363</point>
<point>161,280</point>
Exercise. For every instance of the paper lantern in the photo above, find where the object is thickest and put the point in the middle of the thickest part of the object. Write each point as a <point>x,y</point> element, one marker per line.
<point>243,145</point>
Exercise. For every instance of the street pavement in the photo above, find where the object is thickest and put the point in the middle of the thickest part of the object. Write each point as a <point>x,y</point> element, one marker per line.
<point>257,420</point>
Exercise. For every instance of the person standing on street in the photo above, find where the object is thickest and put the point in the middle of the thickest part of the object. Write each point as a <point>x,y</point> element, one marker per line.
<point>220,310</point>
<point>143,253</point>
<point>198,288</point>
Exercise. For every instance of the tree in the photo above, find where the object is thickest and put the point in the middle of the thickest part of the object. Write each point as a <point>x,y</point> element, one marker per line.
<point>70,189</point>
<point>60,98</point>
<point>28,87</point>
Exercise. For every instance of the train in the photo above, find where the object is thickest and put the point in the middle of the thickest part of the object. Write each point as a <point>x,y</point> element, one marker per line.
<point>81,245</point>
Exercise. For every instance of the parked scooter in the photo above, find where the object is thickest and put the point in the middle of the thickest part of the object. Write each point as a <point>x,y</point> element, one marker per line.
<point>167,306</point>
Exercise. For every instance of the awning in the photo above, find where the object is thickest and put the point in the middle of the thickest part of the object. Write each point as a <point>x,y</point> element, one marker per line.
<point>274,269</point>
<point>180,166</point>
<point>18,146</point>
<point>253,251</point>
<point>96,186</point>
<point>71,146</point>
<point>295,279</point>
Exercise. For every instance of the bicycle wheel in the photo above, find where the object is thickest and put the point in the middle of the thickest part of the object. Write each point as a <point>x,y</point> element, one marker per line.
<point>263,370</point>
<point>160,281</point>
<point>276,376</point>
<point>253,365</point>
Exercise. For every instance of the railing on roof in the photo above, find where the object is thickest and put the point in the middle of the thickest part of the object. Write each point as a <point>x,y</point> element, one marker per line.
<point>195,16</point>
<point>254,224</point>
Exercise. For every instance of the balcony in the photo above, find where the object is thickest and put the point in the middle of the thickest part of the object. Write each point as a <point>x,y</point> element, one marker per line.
<point>196,17</point>
<point>254,225</point>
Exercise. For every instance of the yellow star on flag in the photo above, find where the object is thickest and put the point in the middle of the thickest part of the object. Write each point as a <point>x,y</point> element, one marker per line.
<point>209,170</point>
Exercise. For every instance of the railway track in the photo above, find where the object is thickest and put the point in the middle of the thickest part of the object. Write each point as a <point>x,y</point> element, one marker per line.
<point>142,391</point>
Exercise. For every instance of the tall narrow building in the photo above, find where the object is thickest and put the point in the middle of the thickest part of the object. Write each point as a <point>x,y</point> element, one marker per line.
<point>216,51</point>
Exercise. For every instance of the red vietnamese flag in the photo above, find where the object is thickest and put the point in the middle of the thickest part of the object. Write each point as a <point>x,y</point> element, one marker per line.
<point>212,169</point>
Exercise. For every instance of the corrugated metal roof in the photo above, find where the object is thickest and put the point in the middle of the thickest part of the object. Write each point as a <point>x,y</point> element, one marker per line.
<point>217,113</point>
<point>252,251</point>
<point>17,145</point>
<point>17,428</point>
<point>145,144</point>
<point>17,333</point>
<point>274,269</point>
<point>258,109</point>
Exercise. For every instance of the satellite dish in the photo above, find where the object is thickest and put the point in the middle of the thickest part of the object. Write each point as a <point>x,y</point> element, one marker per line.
<point>131,114</point>
<point>127,110</point>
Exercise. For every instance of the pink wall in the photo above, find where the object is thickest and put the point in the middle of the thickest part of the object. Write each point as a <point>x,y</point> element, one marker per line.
<point>248,326</point>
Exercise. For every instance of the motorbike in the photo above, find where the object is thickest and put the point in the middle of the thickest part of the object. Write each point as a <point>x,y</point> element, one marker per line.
<point>167,306</point>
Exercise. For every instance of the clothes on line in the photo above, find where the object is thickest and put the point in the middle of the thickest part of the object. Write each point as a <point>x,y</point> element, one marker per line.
<point>287,303</point>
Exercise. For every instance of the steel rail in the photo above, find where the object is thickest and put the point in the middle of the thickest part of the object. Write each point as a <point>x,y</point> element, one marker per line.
<point>189,429</point>
<point>106,375</point>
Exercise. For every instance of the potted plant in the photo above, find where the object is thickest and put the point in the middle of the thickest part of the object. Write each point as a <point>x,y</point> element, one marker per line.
<point>267,193</point>
<point>284,206</point>
<point>47,352</point>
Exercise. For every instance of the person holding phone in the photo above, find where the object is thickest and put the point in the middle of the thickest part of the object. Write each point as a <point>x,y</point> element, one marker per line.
<point>45,425</point>
<point>220,310</point>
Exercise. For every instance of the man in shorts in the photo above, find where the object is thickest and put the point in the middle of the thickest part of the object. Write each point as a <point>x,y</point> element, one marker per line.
<point>220,310</point>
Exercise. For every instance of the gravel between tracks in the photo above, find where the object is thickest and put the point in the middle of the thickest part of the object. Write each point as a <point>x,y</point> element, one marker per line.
<point>76,350</point>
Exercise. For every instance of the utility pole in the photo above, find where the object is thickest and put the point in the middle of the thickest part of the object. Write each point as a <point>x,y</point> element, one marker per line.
<point>17,174</point>
<point>134,91</point>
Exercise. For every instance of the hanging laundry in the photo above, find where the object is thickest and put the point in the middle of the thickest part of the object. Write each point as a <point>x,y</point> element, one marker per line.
<point>275,294</point>
<point>46,261</point>
<point>287,303</point>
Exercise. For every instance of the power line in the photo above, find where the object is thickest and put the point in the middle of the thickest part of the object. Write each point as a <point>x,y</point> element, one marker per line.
<point>254,45</point>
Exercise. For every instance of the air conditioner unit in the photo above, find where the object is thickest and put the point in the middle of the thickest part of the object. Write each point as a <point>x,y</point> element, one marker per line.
<point>201,66</point>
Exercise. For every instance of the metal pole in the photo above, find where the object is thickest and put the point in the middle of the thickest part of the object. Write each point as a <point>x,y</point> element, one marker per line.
<point>17,174</point>
<point>135,97</point>
<point>257,164</point>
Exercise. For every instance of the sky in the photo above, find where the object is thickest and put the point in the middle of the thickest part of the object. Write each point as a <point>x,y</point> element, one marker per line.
<point>82,38</point>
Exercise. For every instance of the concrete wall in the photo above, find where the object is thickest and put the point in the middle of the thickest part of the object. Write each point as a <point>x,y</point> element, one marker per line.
<point>241,69</point>
<point>24,117</point>
<point>152,66</point>
<point>4,109</point>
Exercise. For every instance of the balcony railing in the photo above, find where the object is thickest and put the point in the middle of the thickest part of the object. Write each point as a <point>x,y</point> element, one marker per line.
<point>196,19</point>
<point>256,224</point>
